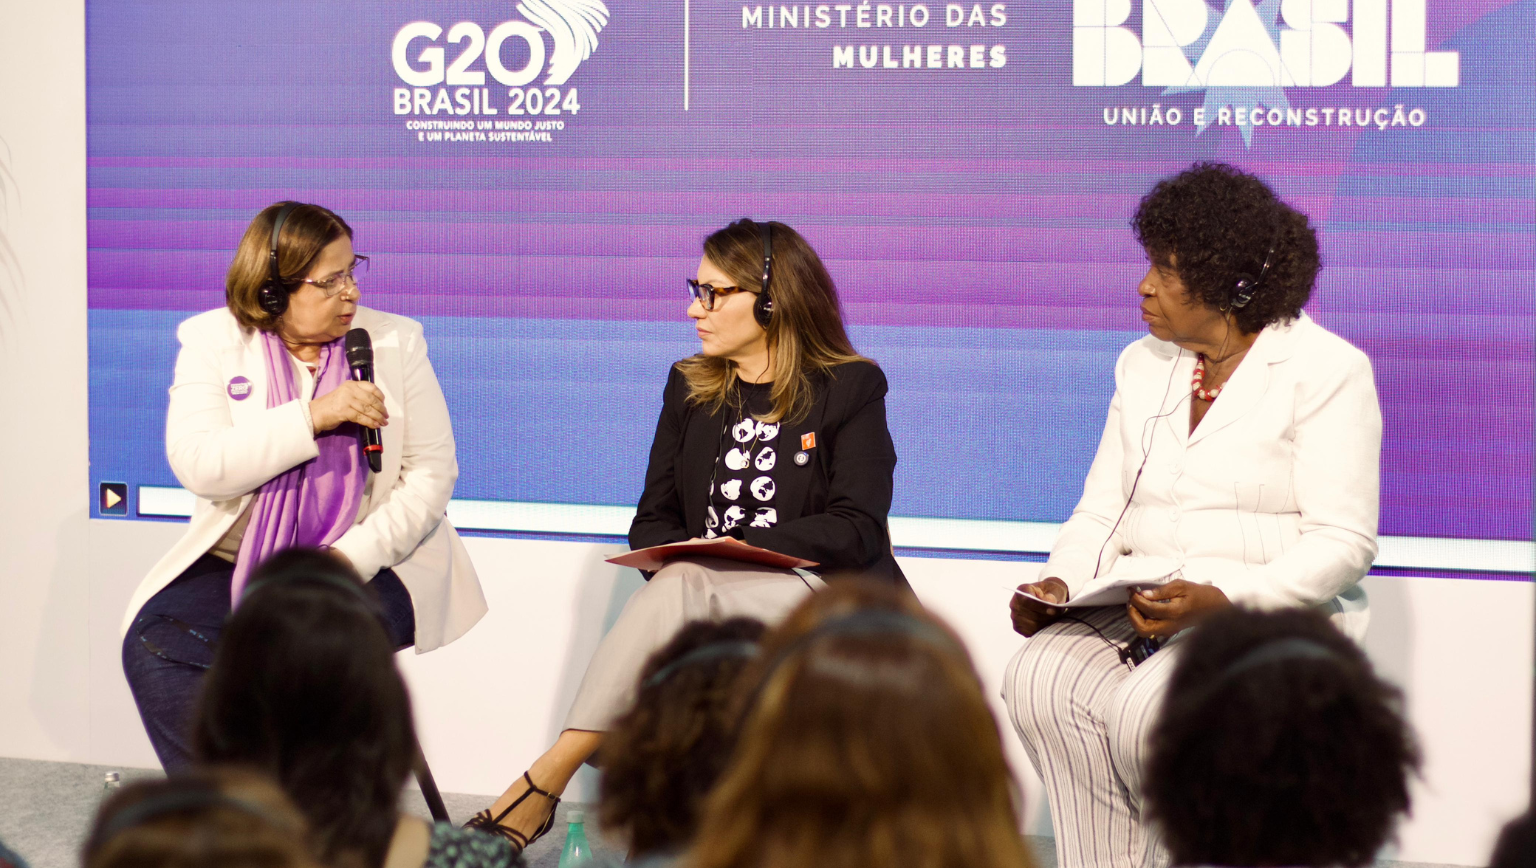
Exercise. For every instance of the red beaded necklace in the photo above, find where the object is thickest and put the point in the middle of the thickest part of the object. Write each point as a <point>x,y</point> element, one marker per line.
<point>1198,384</point>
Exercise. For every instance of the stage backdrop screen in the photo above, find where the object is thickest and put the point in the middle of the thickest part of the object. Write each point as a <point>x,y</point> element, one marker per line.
<point>533,182</point>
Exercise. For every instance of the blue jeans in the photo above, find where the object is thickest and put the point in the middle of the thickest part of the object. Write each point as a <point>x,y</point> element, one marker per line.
<point>171,643</point>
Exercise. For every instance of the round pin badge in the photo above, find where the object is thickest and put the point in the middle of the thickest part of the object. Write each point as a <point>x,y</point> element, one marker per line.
<point>802,458</point>
<point>239,388</point>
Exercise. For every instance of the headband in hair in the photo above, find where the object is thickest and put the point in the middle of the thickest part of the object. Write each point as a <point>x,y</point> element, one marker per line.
<point>1278,651</point>
<point>181,802</point>
<point>1293,648</point>
<point>869,622</point>
<point>294,574</point>
<point>703,654</point>
<point>865,622</point>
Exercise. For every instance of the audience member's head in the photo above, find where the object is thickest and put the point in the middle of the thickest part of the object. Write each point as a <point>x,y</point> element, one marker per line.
<point>212,818</point>
<point>9,859</point>
<point>304,688</point>
<point>865,741</point>
<point>664,755</point>
<point>1277,745</point>
<point>1517,844</point>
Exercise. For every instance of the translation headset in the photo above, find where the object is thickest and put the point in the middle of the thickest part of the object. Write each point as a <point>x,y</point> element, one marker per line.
<point>762,309</point>
<point>1287,650</point>
<point>272,297</point>
<point>1243,289</point>
<point>710,651</point>
<point>181,802</point>
<point>1242,293</point>
<point>865,622</point>
<point>1246,284</point>
<point>1140,648</point>
<point>308,573</point>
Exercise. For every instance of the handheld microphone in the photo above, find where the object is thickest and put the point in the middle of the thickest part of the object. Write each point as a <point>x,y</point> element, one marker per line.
<point>360,360</point>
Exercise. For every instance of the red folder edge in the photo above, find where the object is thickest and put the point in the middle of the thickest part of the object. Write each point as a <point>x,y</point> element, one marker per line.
<point>655,557</point>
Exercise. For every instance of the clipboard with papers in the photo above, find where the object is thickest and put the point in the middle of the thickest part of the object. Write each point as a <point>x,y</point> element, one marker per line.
<point>1115,589</point>
<point>729,548</point>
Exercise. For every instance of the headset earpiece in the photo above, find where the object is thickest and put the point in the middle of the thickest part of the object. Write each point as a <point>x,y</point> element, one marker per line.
<point>762,309</point>
<point>272,298</point>
<point>1246,284</point>
<point>1242,292</point>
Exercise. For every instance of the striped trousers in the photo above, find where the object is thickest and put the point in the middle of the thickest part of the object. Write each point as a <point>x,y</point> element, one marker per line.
<point>1084,718</point>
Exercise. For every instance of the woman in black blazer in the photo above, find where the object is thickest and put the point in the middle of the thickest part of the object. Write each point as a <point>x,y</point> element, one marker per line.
<point>831,504</point>
<point>774,434</point>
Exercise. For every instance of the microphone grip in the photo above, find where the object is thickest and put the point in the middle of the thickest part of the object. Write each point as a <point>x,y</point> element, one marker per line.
<point>369,438</point>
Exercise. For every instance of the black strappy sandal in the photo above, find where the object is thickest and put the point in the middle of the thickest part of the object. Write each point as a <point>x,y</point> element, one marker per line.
<point>484,822</point>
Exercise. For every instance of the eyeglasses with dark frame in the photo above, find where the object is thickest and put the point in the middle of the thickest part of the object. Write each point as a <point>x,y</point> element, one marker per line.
<point>705,293</point>
<point>337,283</point>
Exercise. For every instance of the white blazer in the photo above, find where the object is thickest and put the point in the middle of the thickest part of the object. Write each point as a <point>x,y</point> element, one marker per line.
<point>1273,498</point>
<point>224,446</point>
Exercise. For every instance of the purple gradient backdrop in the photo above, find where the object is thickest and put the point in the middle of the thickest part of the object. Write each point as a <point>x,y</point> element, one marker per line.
<point>989,203</point>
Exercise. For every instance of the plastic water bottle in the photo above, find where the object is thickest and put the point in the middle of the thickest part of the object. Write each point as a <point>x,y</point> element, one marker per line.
<point>113,784</point>
<point>577,851</point>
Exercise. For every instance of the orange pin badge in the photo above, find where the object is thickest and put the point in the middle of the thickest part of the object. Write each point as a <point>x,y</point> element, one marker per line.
<point>807,442</point>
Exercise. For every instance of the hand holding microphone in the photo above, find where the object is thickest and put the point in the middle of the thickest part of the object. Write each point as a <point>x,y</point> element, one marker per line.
<point>358,400</point>
<point>352,401</point>
<point>360,360</point>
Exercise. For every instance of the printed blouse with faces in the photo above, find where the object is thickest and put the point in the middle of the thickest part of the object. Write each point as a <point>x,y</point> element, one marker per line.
<point>742,488</point>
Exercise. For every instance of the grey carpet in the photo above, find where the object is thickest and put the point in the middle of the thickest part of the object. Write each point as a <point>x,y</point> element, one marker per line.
<point>46,809</point>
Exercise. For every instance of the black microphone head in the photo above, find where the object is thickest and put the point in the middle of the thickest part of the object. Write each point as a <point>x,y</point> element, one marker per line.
<point>359,348</point>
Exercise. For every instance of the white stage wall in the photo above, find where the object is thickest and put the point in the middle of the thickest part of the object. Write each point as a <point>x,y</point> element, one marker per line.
<point>1461,649</point>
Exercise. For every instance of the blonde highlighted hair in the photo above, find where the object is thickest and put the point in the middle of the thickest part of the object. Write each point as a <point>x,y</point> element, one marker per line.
<point>866,742</point>
<point>806,337</point>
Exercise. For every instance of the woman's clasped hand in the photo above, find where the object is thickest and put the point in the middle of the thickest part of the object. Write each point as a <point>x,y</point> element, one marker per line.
<point>1161,612</point>
<point>1155,613</point>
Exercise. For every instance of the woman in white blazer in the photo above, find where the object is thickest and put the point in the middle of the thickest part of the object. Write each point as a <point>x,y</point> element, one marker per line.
<point>263,427</point>
<point>1241,455</point>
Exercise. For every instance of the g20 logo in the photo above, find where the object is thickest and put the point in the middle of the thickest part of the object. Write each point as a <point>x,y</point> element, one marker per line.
<point>572,26</point>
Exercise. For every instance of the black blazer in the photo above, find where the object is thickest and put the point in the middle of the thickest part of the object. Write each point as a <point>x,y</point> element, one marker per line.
<point>832,509</point>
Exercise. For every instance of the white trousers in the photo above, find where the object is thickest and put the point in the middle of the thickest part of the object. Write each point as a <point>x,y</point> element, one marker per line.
<point>695,589</point>
<point>1084,718</point>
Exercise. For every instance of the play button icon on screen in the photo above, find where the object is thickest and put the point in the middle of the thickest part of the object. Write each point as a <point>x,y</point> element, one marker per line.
<point>114,498</point>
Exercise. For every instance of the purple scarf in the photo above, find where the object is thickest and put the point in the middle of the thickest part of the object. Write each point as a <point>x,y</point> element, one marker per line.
<point>314,503</point>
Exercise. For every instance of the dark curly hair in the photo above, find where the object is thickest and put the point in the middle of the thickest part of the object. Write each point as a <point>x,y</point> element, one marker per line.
<point>1517,844</point>
<point>664,754</point>
<point>1297,760</point>
<point>1213,224</point>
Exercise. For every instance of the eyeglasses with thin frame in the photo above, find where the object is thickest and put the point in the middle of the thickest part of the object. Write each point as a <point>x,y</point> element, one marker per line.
<point>705,294</point>
<point>337,283</point>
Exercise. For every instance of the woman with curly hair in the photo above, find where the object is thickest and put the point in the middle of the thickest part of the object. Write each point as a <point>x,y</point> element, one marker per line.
<point>1277,745</point>
<point>865,742</point>
<point>1240,457</point>
<point>665,753</point>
